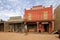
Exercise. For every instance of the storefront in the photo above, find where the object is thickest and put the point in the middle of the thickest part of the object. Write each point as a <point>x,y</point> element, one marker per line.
<point>15,27</point>
<point>45,27</point>
<point>1,27</point>
<point>31,26</point>
<point>41,27</point>
<point>39,19</point>
<point>15,24</point>
<point>4,26</point>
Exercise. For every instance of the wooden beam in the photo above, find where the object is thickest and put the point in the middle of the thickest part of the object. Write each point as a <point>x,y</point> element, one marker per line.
<point>6,25</point>
<point>52,25</point>
<point>37,26</point>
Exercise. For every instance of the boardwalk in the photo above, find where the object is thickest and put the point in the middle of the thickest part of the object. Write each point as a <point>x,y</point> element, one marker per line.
<point>30,36</point>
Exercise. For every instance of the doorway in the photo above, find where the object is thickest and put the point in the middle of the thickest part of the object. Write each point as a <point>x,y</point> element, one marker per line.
<point>46,27</point>
<point>32,27</point>
<point>1,27</point>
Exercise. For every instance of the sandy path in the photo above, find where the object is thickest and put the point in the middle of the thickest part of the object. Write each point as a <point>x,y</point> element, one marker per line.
<point>30,36</point>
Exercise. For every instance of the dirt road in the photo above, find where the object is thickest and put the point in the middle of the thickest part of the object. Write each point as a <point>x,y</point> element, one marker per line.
<point>30,36</point>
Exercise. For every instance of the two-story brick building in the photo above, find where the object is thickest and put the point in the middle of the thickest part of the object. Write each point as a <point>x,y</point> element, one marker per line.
<point>39,19</point>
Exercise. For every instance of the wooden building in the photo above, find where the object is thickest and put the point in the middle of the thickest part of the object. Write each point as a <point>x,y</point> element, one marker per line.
<point>15,24</point>
<point>57,17</point>
<point>39,19</point>
<point>3,26</point>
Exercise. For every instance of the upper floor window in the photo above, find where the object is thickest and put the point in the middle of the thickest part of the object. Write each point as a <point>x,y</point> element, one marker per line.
<point>45,15</point>
<point>29,16</point>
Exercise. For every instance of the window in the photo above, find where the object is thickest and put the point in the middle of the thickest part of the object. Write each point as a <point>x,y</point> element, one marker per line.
<point>45,15</point>
<point>29,16</point>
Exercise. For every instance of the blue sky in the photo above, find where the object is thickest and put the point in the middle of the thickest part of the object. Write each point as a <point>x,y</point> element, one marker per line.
<point>9,8</point>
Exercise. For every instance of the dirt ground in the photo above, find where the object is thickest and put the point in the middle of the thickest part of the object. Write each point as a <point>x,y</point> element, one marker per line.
<point>30,36</point>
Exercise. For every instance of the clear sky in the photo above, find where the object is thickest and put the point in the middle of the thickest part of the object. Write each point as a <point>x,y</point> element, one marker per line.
<point>10,8</point>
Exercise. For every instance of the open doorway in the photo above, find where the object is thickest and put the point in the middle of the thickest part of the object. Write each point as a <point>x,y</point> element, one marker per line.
<point>1,27</point>
<point>32,27</point>
<point>46,27</point>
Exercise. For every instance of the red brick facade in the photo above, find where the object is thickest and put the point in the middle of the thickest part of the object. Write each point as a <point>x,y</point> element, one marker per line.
<point>42,15</point>
<point>37,13</point>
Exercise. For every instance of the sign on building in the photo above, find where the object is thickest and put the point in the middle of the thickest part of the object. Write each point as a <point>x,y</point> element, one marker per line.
<point>44,22</point>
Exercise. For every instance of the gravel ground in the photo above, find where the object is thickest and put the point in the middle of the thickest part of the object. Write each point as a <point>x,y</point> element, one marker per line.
<point>29,36</point>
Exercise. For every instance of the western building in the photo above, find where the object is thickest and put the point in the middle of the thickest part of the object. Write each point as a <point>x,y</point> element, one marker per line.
<point>39,19</point>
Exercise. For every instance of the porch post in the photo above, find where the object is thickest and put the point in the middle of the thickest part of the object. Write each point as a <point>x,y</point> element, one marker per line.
<point>52,25</point>
<point>37,26</point>
<point>14,28</point>
<point>49,28</point>
<point>25,26</point>
<point>6,25</point>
